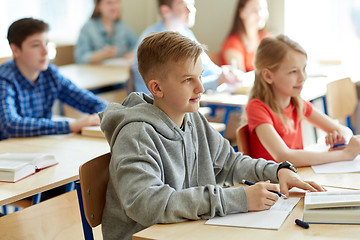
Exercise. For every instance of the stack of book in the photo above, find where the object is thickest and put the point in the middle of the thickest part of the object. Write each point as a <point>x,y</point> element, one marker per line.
<point>337,207</point>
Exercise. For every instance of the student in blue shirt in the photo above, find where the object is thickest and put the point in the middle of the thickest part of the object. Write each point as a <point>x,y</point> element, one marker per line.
<point>179,16</point>
<point>29,86</point>
<point>105,35</point>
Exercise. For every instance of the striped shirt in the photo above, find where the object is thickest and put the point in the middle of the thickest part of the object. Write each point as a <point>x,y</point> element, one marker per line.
<point>26,107</point>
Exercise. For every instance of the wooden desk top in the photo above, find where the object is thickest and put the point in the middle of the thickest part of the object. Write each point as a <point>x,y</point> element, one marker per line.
<point>70,150</point>
<point>289,230</point>
<point>95,76</point>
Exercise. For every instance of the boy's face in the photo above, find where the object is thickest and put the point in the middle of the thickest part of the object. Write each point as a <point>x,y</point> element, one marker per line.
<point>181,89</point>
<point>184,11</point>
<point>33,54</point>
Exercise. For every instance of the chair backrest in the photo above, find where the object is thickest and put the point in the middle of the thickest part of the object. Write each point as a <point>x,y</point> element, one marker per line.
<point>242,139</point>
<point>94,176</point>
<point>341,98</point>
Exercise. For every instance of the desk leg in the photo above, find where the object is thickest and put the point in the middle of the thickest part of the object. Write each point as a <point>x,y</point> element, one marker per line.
<point>36,198</point>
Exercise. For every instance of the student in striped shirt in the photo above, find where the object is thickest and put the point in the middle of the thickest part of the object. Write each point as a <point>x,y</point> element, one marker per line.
<point>29,86</point>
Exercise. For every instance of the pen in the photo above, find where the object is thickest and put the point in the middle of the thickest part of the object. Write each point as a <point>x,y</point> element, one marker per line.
<point>251,183</point>
<point>302,224</point>
<point>339,145</point>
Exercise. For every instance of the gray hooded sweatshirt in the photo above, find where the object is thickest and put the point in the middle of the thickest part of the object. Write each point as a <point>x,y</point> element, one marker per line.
<point>160,173</point>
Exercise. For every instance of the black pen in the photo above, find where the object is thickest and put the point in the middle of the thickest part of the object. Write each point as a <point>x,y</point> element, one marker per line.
<point>251,183</point>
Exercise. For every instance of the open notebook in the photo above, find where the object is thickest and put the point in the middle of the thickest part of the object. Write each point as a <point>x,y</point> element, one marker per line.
<point>268,219</point>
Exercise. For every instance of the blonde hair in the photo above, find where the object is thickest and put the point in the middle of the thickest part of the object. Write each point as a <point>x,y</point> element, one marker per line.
<point>269,55</point>
<point>156,52</point>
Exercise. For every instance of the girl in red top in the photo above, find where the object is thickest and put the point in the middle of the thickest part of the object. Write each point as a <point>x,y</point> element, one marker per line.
<point>275,109</point>
<point>245,35</point>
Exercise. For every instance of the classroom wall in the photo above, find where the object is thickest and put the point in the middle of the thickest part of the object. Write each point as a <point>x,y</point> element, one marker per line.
<point>213,19</point>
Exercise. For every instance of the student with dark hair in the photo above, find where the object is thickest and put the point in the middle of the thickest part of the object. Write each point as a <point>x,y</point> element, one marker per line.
<point>29,86</point>
<point>248,28</point>
<point>105,35</point>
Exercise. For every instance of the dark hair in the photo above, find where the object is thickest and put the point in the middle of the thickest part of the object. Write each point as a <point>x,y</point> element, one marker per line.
<point>238,26</point>
<point>165,2</point>
<point>96,13</point>
<point>22,28</point>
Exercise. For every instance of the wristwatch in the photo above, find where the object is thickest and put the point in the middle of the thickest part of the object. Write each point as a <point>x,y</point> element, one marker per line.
<point>287,165</point>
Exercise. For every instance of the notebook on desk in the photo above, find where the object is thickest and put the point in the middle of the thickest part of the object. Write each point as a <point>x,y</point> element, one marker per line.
<point>268,219</point>
<point>92,131</point>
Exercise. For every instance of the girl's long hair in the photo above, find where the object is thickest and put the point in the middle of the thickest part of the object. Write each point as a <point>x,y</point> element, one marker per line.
<point>269,55</point>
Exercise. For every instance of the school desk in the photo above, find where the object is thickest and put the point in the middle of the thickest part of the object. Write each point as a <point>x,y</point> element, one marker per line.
<point>70,150</point>
<point>96,77</point>
<point>191,230</point>
<point>56,218</point>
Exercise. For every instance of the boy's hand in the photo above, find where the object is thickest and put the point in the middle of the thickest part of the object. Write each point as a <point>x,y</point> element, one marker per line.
<point>288,179</point>
<point>259,196</point>
<point>91,120</point>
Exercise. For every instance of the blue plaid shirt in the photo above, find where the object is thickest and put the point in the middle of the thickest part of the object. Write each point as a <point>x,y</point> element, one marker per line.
<point>26,107</point>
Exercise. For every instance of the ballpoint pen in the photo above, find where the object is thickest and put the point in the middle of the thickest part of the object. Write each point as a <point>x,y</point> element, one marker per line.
<point>339,145</point>
<point>251,183</point>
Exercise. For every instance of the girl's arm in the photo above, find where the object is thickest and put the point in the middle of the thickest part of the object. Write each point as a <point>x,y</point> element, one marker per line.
<point>274,144</point>
<point>337,133</point>
<point>231,55</point>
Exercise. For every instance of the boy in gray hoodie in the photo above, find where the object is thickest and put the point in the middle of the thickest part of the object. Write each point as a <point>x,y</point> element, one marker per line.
<point>168,164</point>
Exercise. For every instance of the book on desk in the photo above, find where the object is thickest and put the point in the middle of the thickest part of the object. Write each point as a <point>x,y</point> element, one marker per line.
<point>16,166</point>
<point>337,207</point>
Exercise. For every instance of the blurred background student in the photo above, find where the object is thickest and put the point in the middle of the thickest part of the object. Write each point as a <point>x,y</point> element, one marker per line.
<point>105,35</point>
<point>179,16</point>
<point>247,30</point>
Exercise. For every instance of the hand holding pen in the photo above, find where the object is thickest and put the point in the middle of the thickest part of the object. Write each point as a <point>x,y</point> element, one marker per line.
<point>259,196</point>
<point>251,183</point>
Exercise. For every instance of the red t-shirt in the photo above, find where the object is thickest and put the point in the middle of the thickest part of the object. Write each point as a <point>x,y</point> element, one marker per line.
<point>259,113</point>
<point>234,42</point>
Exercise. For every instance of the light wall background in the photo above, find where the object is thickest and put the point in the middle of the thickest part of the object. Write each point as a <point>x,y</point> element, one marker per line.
<point>213,18</point>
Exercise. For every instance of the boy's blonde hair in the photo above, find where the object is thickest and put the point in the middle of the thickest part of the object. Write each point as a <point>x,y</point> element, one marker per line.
<point>269,55</point>
<point>156,53</point>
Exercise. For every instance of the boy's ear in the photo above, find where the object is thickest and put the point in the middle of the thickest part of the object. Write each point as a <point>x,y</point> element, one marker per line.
<point>155,88</point>
<point>267,75</point>
<point>15,50</point>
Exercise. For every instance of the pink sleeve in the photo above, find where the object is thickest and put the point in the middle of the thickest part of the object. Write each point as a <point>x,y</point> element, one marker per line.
<point>258,113</point>
<point>308,107</point>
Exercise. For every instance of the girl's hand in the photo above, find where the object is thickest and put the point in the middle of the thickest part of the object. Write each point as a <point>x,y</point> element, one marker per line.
<point>259,196</point>
<point>333,138</point>
<point>353,147</point>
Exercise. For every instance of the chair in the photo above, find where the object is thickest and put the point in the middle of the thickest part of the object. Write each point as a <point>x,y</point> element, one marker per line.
<point>242,139</point>
<point>94,176</point>
<point>341,99</point>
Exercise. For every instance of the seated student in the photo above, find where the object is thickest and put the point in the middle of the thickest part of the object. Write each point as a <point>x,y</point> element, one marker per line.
<point>29,85</point>
<point>105,35</point>
<point>247,30</point>
<point>179,16</point>
<point>275,109</point>
<point>168,164</point>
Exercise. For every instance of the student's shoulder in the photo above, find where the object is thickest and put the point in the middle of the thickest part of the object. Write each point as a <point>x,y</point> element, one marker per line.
<point>7,70</point>
<point>256,106</point>
<point>255,103</point>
